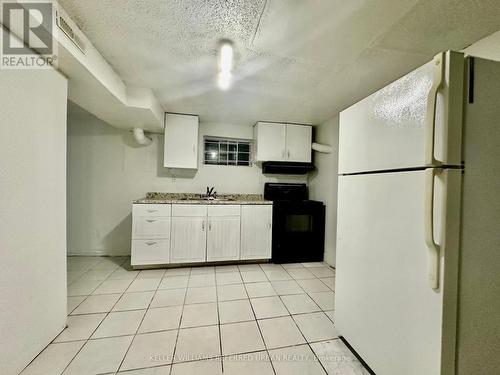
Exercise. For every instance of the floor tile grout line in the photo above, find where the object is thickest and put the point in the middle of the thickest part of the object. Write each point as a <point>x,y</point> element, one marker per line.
<point>74,308</point>
<point>305,339</point>
<point>222,357</point>
<point>191,327</point>
<point>88,339</point>
<point>142,320</point>
<point>293,320</point>
<point>296,325</point>
<point>262,336</point>
<point>217,300</point>
<point>316,356</point>
<point>180,322</point>
<point>91,269</point>
<point>106,278</point>
<point>107,314</point>
<point>218,322</point>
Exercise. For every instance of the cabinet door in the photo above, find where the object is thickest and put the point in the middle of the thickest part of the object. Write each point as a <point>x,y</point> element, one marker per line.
<point>298,143</point>
<point>223,242</point>
<point>256,231</point>
<point>188,242</point>
<point>270,141</point>
<point>181,141</point>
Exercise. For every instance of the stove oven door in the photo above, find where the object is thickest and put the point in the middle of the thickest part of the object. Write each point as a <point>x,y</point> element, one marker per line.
<point>298,232</point>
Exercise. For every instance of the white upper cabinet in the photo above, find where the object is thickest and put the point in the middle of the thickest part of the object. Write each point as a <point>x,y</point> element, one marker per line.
<point>282,142</point>
<point>298,143</point>
<point>256,231</point>
<point>270,141</point>
<point>181,141</point>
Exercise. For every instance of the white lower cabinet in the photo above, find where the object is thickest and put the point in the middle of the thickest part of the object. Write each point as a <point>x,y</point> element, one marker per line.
<point>223,238</point>
<point>150,234</point>
<point>256,231</point>
<point>190,233</point>
<point>189,238</point>
<point>151,227</point>
<point>147,252</point>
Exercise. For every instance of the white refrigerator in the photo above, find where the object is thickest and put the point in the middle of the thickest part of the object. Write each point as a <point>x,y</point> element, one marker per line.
<point>418,247</point>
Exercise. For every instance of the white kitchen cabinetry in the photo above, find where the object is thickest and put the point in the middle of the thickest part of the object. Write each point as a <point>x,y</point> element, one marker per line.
<point>282,142</point>
<point>150,234</point>
<point>223,237</point>
<point>199,233</point>
<point>298,143</point>
<point>256,231</point>
<point>189,239</point>
<point>270,141</point>
<point>147,252</point>
<point>181,141</point>
<point>151,227</point>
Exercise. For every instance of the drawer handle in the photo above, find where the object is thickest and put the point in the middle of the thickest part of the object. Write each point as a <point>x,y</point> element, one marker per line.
<point>151,220</point>
<point>151,243</point>
<point>152,210</point>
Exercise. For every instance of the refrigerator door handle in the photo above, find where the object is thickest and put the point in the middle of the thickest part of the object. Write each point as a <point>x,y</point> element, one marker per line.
<point>439,71</point>
<point>432,246</point>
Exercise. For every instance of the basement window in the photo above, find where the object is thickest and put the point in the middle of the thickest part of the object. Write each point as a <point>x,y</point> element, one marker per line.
<point>227,151</point>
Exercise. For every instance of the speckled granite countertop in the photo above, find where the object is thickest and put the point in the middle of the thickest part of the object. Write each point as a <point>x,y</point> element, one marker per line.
<point>192,198</point>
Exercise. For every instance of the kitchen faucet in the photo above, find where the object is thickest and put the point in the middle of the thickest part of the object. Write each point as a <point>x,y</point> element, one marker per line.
<point>211,193</point>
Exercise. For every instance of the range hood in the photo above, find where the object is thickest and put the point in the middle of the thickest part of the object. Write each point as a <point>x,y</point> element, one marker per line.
<point>285,167</point>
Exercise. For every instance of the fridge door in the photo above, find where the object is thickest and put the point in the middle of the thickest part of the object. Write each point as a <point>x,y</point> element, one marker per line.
<point>399,125</point>
<point>386,308</point>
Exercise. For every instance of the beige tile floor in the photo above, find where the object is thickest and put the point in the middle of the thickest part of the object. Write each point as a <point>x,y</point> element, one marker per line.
<point>247,319</point>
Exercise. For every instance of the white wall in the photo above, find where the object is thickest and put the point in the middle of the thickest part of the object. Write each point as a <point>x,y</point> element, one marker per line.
<point>107,171</point>
<point>323,182</point>
<point>487,48</point>
<point>32,213</point>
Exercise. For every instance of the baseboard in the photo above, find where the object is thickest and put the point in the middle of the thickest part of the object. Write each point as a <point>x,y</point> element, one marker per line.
<point>99,253</point>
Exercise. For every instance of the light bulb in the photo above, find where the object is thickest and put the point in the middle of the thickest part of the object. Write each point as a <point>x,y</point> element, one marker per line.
<point>224,80</point>
<point>226,55</point>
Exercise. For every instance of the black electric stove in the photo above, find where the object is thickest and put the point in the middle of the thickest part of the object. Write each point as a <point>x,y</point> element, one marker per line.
<point>298,224</point>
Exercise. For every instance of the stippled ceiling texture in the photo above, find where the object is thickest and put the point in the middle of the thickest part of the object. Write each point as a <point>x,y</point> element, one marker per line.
<point>296,60</point>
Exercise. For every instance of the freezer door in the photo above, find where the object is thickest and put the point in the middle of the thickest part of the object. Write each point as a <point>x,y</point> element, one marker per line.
<point>390,129</point>
<point>385,306</point>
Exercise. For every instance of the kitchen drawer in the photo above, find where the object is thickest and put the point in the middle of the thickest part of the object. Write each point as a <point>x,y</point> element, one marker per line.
<point>151,227</point>
<point>152,209</point>
<point>150,252</point>
<point>185,210</point>
<point>224,210</point>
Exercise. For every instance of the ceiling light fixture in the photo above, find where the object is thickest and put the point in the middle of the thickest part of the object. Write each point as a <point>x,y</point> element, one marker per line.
<point>226,56</point>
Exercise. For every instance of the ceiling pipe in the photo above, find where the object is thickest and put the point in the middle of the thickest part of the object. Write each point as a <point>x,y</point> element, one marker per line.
<point>141,138</point>
<point>324,149</point>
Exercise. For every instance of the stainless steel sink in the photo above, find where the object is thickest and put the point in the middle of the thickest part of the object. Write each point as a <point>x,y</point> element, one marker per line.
<point>208,199</point>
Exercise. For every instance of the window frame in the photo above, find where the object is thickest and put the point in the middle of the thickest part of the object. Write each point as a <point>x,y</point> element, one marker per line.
<point>225,149</point>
